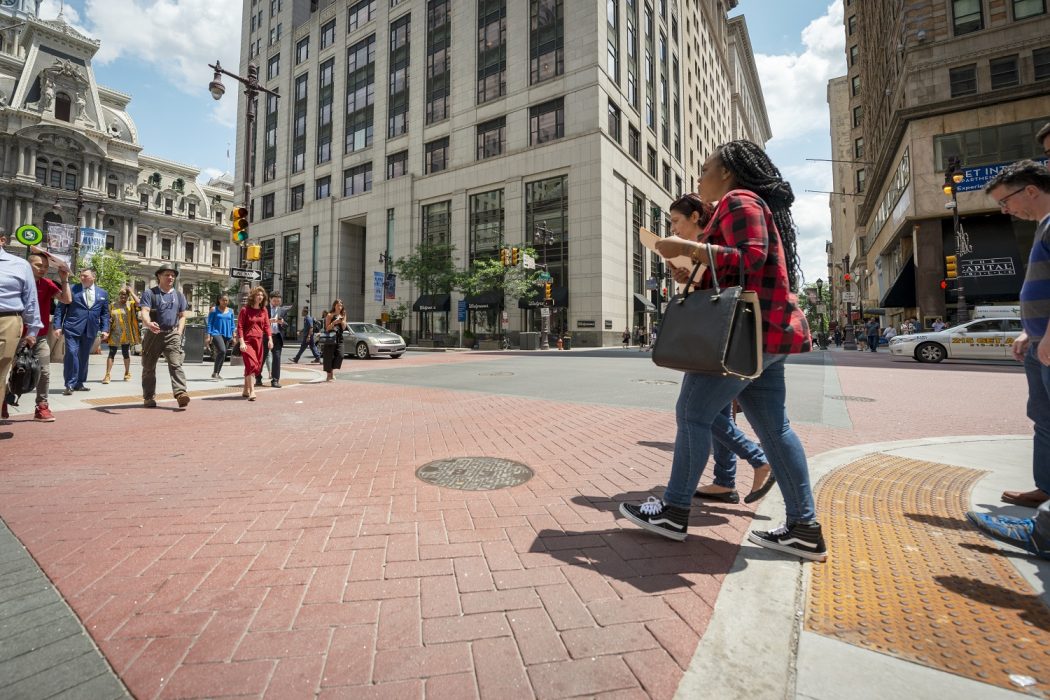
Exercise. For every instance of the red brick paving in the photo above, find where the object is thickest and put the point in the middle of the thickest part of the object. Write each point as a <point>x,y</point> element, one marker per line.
<point>288,551</point>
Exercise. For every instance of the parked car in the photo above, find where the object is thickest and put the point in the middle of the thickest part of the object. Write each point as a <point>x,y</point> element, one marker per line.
<point>983,338</point>
<point>365,340</point>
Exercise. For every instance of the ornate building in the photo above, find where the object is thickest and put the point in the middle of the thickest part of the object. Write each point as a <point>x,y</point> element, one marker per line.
<point>63,136</point>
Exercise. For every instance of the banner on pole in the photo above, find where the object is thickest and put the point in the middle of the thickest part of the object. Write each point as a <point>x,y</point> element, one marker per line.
<point>92,241</point>
<point>60,241</point>
<point>391,285</point>
<point>378,285</point>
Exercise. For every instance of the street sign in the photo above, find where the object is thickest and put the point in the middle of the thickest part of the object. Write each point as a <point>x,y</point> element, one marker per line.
<point>822,309</point>
<point>461,310</point>
<point>545,312</point>
<point>850,297</point>
<point>528,262</point>
<point>544,276</point>
<point>29,235</point>
<point>505,319</point>
<point>244,273</point>
<point>652,283</point>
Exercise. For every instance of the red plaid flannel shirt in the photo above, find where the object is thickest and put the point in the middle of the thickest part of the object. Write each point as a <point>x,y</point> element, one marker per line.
<point>743,224</point>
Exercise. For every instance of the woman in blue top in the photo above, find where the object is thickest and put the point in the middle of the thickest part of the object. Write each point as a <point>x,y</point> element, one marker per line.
<point>220,329</point>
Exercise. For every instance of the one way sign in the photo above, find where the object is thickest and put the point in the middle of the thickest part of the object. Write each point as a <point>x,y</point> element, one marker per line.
<point>244,273</point>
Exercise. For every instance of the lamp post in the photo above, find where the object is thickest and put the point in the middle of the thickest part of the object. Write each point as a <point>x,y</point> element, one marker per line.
<point>849,341</point>
<point>822,338</point>
<point>252,88</point>
<point>384,260</point>
<point>953,177</point>
<point>80,202</point>
<point>544,236</point>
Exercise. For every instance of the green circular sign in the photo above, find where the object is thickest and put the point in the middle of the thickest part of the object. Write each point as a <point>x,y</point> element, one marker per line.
<point>29,235</point>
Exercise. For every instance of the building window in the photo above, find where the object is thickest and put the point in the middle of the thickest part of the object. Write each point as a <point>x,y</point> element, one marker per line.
<point>41,171</point>
<point>963,80</point>
<point>112,189</point>
<point>437,220</point>
<point>360,94</point>
<point>1028,8</point>
<point>218,217</point>
<point>547,122</point>
<point>325,97</point>
<point>111,241</point>
<point>63,107</point>
<point>267,206</point>
<point>634,143</point>
<point>439,56</point>
<point>861,175</point>
<point>547,205</point>
<point>144,200</point>
<point>359,14</point>
<point>397,108</point>
<point>302,50</point>
<point>169,206</point>
<point>666,176</point>
<point>855,85</point>
<point>165,248</point>
<point>990,145</point>
<point>1004,72</point>
<point>435,156</point>
<point>632,53</point>
<point>298,198</point>
<point>323,187</point>
<point>546,40</point>
<point>357,180</point>
<point>967,16</point>
<point>486,224</point>
<point>492,49</point>
<point>290,281</point>
<point>396,165</point>
<point>216,253</point>
<point>858,116</point>
<point>270,139</point>
<point>140,245</point>
<point>612,52</point>
<point>328,34</point>
<point>188,251</point>
<point>300,108</point>
<point>858,148</point>
<point>651,160</point>
<point>854,54</point>
<point>614,122</point>
<point>191,211</point>
<point>1041,63</point>
<point>266,262</point>
<point>273,67</point>
<point>491,138</point>
<point>851,25</point>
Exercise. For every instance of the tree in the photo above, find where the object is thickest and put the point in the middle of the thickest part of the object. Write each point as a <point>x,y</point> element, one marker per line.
<point>810,308</point>
<point>489,275</point>
<point>430,267</point>
<point>111,271</point>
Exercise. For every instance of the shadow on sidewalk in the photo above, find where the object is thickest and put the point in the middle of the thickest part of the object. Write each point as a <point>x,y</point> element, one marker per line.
<point>118,409</point>
<point>702,513</point>
<point>665,446</point>
<point>1033,610</point>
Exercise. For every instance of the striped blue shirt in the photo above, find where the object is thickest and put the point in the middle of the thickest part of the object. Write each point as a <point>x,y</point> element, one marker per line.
<point>18,291</point>
<point>1035,292</point>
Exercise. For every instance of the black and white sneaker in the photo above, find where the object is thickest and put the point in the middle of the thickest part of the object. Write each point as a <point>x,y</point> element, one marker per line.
<point>656,516</point>
<point>801,539</point>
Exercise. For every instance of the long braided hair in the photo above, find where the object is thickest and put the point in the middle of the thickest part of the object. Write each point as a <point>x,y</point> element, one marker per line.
<point>753,170</point>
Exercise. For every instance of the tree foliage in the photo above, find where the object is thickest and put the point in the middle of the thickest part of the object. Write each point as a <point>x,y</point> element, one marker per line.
<point>489,275</point>
<point>430,267</point>
<point>111,271</point>
<point>810,308</point>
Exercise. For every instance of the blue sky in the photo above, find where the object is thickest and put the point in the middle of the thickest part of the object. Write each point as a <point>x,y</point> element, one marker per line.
<point>158,51</point>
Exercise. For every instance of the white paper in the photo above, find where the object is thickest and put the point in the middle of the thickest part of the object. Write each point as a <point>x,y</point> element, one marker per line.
<point>649,239</point>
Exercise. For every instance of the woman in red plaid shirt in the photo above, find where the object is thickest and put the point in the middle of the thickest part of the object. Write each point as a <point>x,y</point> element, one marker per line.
<point>752,218</point>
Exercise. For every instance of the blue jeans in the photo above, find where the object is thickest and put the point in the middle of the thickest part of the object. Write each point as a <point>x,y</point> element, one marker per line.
<point>702,400</point>
<point>729,442</point>
<point>1038,376</point>
<point>75,363</point>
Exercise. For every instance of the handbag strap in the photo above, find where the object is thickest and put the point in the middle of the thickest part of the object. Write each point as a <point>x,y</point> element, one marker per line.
<point>714,273</point>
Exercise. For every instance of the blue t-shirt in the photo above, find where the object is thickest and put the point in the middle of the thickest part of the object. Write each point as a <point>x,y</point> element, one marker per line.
<point>164,308</point>
<point>1035,292</point>
<point>220,323</point>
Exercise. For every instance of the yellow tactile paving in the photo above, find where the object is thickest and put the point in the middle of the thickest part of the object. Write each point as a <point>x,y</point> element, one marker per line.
<point>907,575</point>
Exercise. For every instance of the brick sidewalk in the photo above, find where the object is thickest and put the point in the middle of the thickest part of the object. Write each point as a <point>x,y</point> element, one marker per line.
<point>295,552</point>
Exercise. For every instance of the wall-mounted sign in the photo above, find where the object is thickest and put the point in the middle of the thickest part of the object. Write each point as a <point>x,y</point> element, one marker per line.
<point>979,176</point>
<point>986,267</point>
<point>585,324</point>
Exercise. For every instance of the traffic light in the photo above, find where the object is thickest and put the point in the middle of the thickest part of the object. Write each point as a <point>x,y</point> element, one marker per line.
<point>944,284</point>
<point>951,265</point>
<point>239,225</point>
<point>515,256</point>
<point>547,291</point>
<point>663,293</point>
<point>953,175</point>
<point>253,252</point>
<point>847,277</point>
<point>503,257</point>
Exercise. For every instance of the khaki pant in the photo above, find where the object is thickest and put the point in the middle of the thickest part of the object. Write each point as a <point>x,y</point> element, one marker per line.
<point>168,344</point>
<point>42,352</point>
<point>10,333</point>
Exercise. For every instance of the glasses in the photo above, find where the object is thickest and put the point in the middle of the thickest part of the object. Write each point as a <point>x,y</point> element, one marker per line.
<point>1002,202</point>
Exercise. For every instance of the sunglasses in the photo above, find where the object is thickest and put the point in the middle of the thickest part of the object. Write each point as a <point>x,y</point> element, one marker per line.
<point>1002,202</point>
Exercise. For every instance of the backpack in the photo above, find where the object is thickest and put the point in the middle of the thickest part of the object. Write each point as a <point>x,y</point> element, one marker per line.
<point>25,373</point>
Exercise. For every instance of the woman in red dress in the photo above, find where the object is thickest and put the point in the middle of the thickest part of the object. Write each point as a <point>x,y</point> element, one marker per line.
<point>253,332</point>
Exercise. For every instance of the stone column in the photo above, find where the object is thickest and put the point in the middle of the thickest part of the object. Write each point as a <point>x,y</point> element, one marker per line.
<point>31,166</point>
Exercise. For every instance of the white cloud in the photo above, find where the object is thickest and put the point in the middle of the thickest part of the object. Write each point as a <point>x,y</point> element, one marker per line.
<point>795,85</point>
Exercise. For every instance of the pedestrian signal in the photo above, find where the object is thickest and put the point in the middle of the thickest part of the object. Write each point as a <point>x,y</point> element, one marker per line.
<point>547,291</point>
<point>253,252</point>
<point>515,256</point>
<point>951,266</point>
<point>239,225</point>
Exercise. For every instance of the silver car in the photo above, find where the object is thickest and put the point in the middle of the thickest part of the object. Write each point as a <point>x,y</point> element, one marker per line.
<point>365,340</point>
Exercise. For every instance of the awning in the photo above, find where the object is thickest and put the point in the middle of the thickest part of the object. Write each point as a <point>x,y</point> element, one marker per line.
<point>643,305</point>
<point>560,295</point>
<point>901,294</point>
<point>433,302</point>
<point>484,301</point>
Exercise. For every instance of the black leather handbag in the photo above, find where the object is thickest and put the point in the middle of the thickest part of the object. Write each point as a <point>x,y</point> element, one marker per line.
<point>712,331</point>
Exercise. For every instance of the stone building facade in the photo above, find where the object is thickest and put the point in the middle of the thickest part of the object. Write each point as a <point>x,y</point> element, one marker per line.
<point>477,122</point>
<point>929,80</point>
<point>63,135</point>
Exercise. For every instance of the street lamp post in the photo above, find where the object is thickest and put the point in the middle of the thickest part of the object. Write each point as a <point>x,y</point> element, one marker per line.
<point>821,339</point>
<point>849,342</point>
<point>544,236</point>
<point>953,177</point>
<point>80,202</point>
<point>252,88</point>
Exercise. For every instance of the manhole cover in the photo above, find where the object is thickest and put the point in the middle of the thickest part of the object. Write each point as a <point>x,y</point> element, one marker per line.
<point>495,374</point>
<point>474,473</point>
<point>839,397</point>
<point>658,382</point>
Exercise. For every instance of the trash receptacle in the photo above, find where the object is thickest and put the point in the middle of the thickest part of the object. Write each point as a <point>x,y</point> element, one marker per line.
<point>193,344</point>
<point>529,340</point>
<point>566,342</point>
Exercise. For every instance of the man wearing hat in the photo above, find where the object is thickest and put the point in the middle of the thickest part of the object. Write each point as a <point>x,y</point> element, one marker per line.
<point>163,313</point>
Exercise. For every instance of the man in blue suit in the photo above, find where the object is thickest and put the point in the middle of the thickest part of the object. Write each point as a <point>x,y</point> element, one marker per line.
<point>80,323</point>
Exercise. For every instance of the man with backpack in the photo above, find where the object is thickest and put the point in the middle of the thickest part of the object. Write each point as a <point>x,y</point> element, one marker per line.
<point>18,309</point>
<point>46,290</point>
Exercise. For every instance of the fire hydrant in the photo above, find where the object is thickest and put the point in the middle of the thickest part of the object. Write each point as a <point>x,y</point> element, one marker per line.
<point>559,344</point>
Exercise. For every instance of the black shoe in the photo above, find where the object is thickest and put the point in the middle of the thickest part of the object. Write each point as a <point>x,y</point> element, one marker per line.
<point>656,516</point>
<point>757,495</point>
<point>801,539</point>
<point>258,382</point>
<point>81,388</point>
<point>295,360</point>
<point>275,385</point>
<point>727,497</point>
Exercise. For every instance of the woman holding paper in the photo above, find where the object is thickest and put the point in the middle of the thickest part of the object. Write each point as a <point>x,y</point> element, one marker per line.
<point>751,223</point>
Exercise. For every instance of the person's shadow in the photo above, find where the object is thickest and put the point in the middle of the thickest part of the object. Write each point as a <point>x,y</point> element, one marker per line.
<point>1033,610</point>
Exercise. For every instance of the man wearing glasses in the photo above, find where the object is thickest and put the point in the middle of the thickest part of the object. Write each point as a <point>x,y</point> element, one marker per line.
<point>1023,190</point>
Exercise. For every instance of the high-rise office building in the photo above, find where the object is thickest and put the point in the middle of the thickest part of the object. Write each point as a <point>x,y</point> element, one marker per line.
<point>478,123</point>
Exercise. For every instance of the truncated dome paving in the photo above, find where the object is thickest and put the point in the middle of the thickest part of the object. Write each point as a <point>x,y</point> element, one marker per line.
<point>474,473</point>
